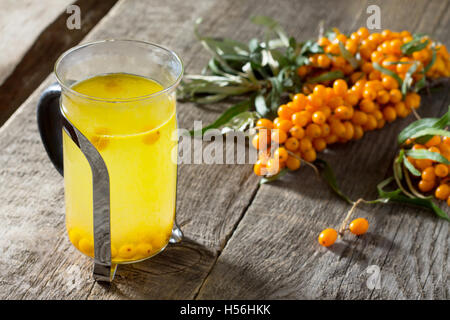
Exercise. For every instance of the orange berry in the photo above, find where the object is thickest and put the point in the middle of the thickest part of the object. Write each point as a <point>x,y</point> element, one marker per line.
<point>359,132</point>
<point>371,123</point>
<point>389,114</point>
<point>280,154</point>
<point>278,136</point>
<point>285,112</point>
<point>433,141</point>
<point>359,226</point>
<point>305,145</point>
<point>426,186</point>
<point>302,71</point>
<point>310,155</point>
<point>314,100</point>
<point>367,105</point>
<point>369,94</point>
<point>327,237</point>
<point>363,33</point>
<point>259,168</point>
<point>442,192</point>
<point>428,174</point>
<point>340,87</point>
<point>293,163</point>
<point>338,128</point>
<point>319,144</point>
<point>401,109</point>
<point>412,100</point>
<point>261,139</point>
<point>325,130</point>
<point>292,144</point>
<point>313,131</point>
<point>332,138</point>
<point>297,132</point>
<point>299,102</point>
<point>383,97</point>
<point>349,130</point>
<point>441,170</point>
<point>396,95</point>
<point>343,112</point>
<point>319,117</point>
<point>264,123</point>
<point>273,166</point>
<point>335,102</point>
<point>422,164</point>
<point>284,125</point>
<point>301,118</point>
<point>319,91</point>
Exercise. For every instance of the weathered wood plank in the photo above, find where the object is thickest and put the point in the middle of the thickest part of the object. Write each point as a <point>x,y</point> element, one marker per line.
<point>33,35</point>
<point>274,252</point>
<point>210,197</point>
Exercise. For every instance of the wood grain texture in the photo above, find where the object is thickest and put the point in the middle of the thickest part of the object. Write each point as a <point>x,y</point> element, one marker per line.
<point>242,240</point>
<point>274,252</point>
<point>33,35</point>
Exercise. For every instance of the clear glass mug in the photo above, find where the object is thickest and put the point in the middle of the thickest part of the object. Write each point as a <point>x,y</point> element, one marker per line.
<point>116,152</point>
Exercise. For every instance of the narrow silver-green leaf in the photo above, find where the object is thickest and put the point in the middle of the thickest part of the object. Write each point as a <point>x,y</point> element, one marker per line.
<point>425,154</point>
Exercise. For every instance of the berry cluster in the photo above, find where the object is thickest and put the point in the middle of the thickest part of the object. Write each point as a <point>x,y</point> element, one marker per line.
<point>344,109</point>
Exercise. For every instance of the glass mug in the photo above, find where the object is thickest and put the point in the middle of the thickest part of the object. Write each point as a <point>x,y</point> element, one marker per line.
<point>108,126</point>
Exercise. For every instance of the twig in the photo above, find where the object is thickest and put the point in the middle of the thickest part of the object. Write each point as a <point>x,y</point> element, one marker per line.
<point>344,223</point>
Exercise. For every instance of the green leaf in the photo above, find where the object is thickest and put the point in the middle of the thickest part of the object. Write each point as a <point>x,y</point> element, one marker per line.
<point>348,56</point>
<point>397,196</point>
<point>226,116</point>
<point>425,154</point>
<point>407,82</point>
<point>433,60</point>
<point>274,177</point>
<point>410,167</point>
<point>423,124</point>
<point>432,132</point>
<point>327,76</point>
<point>261,106</point>
<point>240,122</point>
<point>414,45</point>
<point>389,73</point>
<point>330,178</point>
<point>311,47</point>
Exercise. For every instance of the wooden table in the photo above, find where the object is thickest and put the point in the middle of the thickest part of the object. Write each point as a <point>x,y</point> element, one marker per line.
<point>243,240</point>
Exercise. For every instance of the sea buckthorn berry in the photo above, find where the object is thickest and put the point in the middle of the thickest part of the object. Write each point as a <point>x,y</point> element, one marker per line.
<point>333,48</point>
<point>383,97</point>
<point>305,144</point>
<point>292,144</point>
<point>378,114</point>
<point>389,114</point>
<point>297,132</point>
<point>356,76</point>
<point>323,41</point>
<point>326,111</point>
<point>401,109</point>
<point>335,102</point>
<point>339,62</point>
<point>351,98</point>
<point>376,56</point>
<point>273,166</point>
<point>280,154</point>
<point>363,33</point>
<point>320,91</point>
<point>441,170</point>
<point>310,155</point>
<point>332,138</point>
<point>285,112</point>
<point>144,249</point>
<point>367,105</point>
<point>301,118</point>
<point>284,125</point>
<point>264,123</point>
<point>371,123</point>
<point>381,123</point>
<point>433,141</point>
<point>359,132</point>
<point>259,168</point>
<point>412,100</point>
<point>442,192</point>
<point>127,251</point>
<point>396,95</point>
<point>299,102</point>
<point>418,147</point>
<point>86,246</point>
<point>261,139</point>
<point>359,226</point>
<point>338,128</point>
<point>367,67</point>
<point>343,112</point>
<point>326,130</point>
<point>428,174</point>
<point>323,61</point>
<point>327,237</point>
<point>314,100</point>
<point>422,164</point>
<point>319,144</point>
<point>319,117</point>
<point>293,163</point>
<point>349,130</point>
<point>434,149</point>
<point>302,71</point>
<point>278,136</point>
<point>446,140</point>
<point>426,186</point>
<point>369,94</point>
<point>313,131</point>
<point>340,87</point>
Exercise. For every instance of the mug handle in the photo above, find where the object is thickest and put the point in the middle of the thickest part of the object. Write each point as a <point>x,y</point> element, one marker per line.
<point>49,121</point>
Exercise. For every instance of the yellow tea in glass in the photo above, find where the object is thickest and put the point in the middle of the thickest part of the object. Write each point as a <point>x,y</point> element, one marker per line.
<point>120,95</point>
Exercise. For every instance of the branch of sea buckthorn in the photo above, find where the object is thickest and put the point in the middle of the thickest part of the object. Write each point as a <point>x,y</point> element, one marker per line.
<point>344,223</point>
